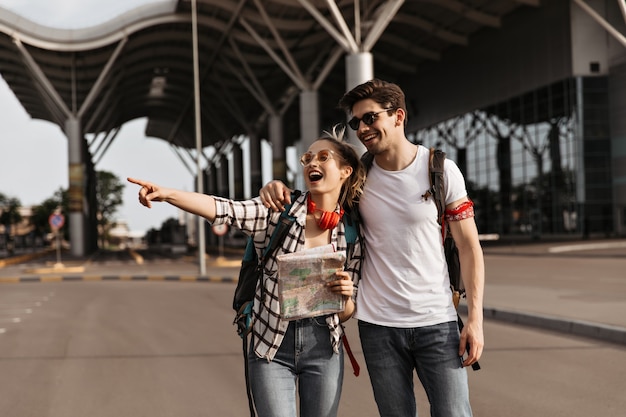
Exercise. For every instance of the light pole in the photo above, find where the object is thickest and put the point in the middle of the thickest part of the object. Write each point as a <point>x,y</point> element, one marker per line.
<point>196,95</point>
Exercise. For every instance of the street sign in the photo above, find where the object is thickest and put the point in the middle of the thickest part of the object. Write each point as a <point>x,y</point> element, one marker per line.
<point>56,221</point>
<point>220,229</point>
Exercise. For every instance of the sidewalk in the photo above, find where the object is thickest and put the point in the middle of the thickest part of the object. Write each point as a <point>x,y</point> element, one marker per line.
<point>587,248</point>
<point>577,288</point>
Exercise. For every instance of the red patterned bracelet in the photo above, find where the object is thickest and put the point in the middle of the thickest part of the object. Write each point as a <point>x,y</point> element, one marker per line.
<point>463,211</point>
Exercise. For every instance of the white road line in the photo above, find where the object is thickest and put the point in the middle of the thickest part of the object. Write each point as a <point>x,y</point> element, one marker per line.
<point>12,320</point>
<point>587,246</point>
<point>15,310</point>
<point>19,305</point>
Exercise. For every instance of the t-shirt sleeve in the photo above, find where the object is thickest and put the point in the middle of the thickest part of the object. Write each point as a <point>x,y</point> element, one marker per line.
<point>454,182</point>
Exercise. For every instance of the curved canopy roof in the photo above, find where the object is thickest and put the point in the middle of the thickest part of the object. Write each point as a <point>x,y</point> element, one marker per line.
<point>255,57</point>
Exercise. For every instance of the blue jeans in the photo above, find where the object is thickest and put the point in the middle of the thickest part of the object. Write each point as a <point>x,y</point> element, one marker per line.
<point>306,364</point>
<point>391,355</point>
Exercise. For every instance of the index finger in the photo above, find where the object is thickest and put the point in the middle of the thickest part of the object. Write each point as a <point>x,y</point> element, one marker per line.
<point>136,181</point>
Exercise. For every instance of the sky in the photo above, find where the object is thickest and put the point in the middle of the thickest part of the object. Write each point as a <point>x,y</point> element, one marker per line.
<point>34,154</point>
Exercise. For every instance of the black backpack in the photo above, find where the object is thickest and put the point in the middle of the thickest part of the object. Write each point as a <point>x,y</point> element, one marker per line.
<point>437,191</point>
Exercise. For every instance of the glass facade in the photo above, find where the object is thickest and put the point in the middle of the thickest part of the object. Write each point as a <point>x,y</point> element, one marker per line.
<point>536,164</point>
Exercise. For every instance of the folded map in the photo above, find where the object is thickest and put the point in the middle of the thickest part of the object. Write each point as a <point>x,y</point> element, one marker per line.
<point>302,278</point>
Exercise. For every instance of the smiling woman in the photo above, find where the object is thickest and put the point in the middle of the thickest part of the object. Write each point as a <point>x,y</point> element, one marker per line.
<point>334,176</point>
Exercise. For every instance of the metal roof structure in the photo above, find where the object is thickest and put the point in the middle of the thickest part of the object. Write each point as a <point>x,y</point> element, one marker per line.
<point>255,57</point>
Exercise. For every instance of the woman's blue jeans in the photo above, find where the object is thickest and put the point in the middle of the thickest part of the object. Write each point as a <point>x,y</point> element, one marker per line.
<point>305,364</point>
<point>391,355</point>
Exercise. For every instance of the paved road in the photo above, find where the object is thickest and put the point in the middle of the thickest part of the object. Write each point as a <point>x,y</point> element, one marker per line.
<point>109,347</point>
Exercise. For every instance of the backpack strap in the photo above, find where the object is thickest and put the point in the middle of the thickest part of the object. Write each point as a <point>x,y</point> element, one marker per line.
<point>351,223</point>
<point>437,186</point>
<point>280,232</point>
<point>282,227</point>
<point>351,226</point>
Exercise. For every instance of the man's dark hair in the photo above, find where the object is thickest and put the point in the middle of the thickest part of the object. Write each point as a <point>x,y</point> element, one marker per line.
<point>388,95</point>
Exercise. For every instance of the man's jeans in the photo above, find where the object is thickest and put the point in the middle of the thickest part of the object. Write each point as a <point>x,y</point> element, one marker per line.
<point>305,360</point>
<point>391,355</point>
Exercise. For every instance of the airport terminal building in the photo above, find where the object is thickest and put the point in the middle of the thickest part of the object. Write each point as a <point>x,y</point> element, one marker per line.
<point>536,117</point>
<point>528,97</point>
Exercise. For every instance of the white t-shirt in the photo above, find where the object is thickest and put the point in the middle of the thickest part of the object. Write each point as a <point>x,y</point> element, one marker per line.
<point>404,282</point>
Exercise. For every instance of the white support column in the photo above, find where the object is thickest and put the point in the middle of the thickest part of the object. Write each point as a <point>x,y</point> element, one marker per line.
<point>246,161</point>
<point>359,69</point>
<point>230,180</point>
<point>309,117</point>
<point>266,171</point>
<point>279,169</point>
<point>309,127</point>
<point>256,164</point>
<point>221,174</point>
<point>77,203</point>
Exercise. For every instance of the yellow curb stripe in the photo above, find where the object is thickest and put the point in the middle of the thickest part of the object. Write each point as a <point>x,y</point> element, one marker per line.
<point>92,278</point>
<point>188,278</point>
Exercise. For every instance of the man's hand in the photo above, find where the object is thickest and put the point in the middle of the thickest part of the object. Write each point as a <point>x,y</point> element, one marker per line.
<point>275,195</point>
<point>472,333</point>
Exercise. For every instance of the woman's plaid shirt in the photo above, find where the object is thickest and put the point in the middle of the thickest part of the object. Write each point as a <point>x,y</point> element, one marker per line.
<point>254,219</point>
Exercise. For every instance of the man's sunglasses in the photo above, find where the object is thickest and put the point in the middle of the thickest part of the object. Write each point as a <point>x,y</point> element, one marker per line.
<point>367,118</point>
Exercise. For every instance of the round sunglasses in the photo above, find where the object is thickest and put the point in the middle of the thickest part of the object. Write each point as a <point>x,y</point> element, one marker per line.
<point>322,156</point>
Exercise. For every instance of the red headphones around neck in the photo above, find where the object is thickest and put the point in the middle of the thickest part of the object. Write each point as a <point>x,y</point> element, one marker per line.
<point>328,219</point>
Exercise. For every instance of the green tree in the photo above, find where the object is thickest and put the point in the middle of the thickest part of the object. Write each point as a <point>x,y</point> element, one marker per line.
<point>10,215</point>
<point>109,190</point>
